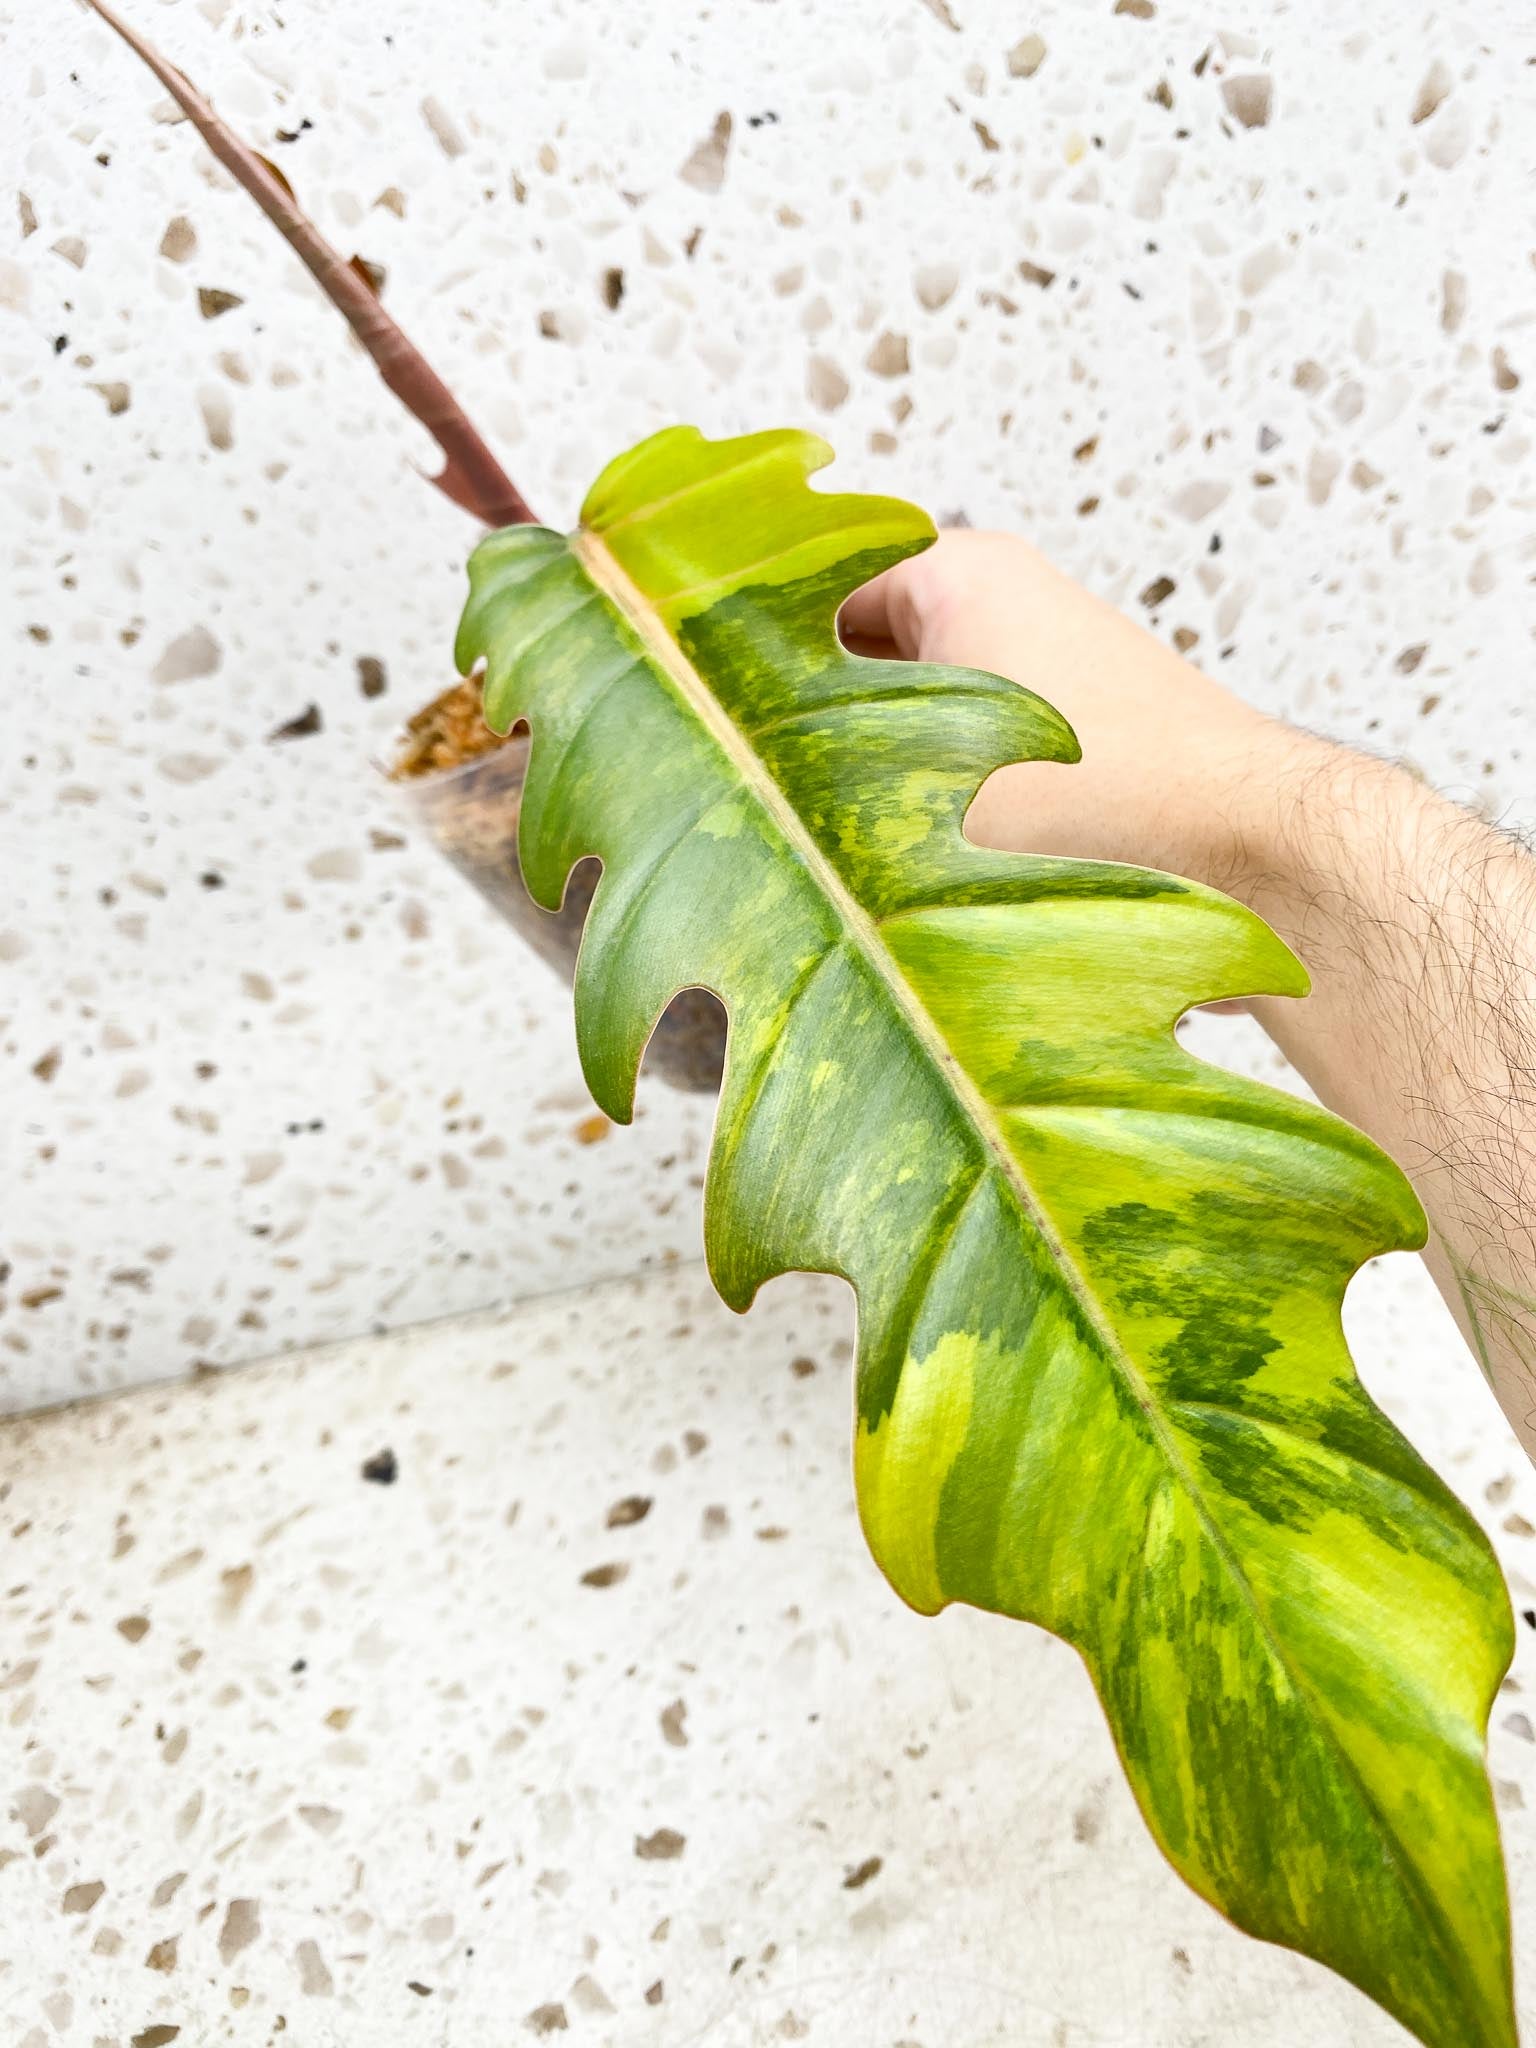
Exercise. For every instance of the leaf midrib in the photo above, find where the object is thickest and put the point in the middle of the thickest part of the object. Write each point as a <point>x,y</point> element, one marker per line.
<point>614,581</point>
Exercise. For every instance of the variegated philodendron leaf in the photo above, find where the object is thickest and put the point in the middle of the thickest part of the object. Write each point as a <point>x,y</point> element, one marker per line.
<point>1102,1383</point>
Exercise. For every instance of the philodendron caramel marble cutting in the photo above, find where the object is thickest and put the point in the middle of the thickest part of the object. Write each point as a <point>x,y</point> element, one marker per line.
<point>1102,1384</point>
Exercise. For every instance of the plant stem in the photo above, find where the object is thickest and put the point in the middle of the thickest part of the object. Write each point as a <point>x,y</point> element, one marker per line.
<point>471,476</point>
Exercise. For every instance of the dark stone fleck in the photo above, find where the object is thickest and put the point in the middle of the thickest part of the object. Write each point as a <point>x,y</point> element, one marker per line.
<point>383,1468</point>
<point>861,1873</point>
<point>308,721</point>
<point>664,1846</point>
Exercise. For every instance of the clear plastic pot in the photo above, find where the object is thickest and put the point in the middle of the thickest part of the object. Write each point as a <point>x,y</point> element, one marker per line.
<point>464,789</point>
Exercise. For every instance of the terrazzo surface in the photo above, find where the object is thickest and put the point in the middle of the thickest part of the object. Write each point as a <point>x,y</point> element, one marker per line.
<point>526,1677</point>
<point>1232,313</point>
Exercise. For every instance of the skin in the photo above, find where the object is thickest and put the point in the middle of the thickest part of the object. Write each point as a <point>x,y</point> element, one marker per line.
<point>1416,919</point>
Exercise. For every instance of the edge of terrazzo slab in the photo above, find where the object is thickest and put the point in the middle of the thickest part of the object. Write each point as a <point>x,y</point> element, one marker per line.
<point>400,1337</point>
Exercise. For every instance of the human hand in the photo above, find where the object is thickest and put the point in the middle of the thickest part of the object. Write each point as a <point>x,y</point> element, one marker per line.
<point>1175,768</point>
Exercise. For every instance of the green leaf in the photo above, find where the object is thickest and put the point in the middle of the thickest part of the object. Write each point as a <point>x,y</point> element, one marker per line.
<point>1102,1383</point>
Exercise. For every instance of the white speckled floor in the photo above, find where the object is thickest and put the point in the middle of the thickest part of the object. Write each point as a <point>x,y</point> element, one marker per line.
<point>597,1722</point>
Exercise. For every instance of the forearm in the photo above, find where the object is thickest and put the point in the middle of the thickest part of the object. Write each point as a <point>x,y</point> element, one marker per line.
<point>1418,924</point>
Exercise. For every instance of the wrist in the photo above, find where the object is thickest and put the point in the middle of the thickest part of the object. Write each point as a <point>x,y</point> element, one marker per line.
<point>1248,805</point>
<point>1215,807</point>
<point>1325,843</point>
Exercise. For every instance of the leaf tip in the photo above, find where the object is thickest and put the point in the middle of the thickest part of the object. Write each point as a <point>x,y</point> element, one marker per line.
<point>817,453</point>
<point>1292,974</point>
<point>611,1091</point>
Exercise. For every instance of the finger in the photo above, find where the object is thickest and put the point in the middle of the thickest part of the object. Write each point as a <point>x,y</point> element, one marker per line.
<point>865,615</point>
<point>874,615</point>
<point>872,650</point>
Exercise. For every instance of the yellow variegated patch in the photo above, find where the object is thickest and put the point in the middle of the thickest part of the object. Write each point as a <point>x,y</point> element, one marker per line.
<point>901,1465</point>
<point>1102,1384</point>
